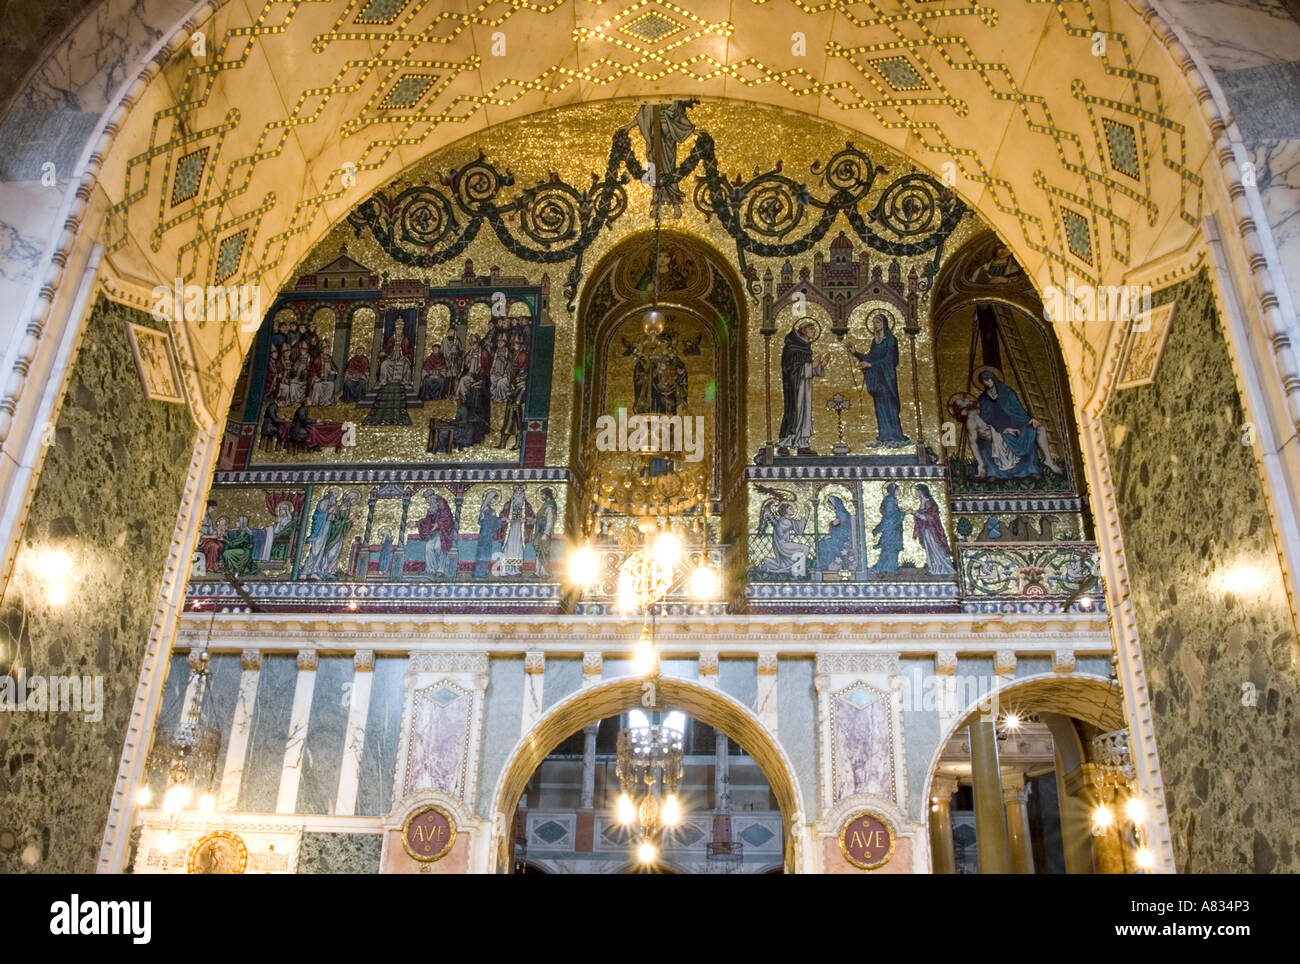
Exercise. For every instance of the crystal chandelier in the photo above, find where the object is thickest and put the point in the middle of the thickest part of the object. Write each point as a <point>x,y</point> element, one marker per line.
<point>649,774</point>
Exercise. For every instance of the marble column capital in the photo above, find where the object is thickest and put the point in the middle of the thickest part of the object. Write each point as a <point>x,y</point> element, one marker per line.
<point>766,665</point>
<point>198,660</point>
<point>942,788</point>
<point>363,661</point>
<point>307,659</point>
<point>592,664</point>
<point>534,663</point>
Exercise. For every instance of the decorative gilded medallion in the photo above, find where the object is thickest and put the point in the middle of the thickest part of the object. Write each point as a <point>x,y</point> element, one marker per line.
<point>428,834</point>
<point>220,852</point>
<point>867,841</point>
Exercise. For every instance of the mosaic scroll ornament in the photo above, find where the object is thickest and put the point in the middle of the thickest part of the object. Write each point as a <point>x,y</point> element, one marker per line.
<point>553,221</point>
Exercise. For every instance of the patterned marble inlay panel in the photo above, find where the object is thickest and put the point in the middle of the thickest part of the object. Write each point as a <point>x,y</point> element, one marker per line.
<point>1218,642</point>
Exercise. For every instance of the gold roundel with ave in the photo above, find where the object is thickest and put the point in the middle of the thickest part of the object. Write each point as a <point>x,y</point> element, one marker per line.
<point>867,840</point>
<point>220,852</point>
<point>429,834</point>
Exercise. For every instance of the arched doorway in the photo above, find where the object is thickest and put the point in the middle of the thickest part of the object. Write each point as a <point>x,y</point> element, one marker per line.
<point>724,818</point>
<point>720,711</point>
<point>1027,768</point>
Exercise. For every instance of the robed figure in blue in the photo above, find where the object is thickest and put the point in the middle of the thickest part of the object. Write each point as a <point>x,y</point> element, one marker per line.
<point>890,531</point>
<point>835,550</point>
<point>1021,448</point>
<point>880,376</point>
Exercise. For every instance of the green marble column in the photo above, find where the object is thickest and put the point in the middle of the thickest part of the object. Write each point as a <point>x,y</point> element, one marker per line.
<point>943,859</point>
<point>991,841</point>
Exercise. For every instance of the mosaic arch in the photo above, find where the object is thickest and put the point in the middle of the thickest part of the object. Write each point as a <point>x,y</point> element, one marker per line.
<point>717,709</point>
<point>1088,177</point>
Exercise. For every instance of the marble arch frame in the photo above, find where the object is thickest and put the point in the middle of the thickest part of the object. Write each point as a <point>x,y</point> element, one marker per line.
<point>1243,261</point>
<point>609,698</point>
<point>968,712</point>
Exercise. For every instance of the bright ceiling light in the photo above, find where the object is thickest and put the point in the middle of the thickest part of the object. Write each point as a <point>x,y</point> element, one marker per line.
<point>647,852</point>
<point>1135,811</point>
<point>583,566</point>
<point>672,811</point>
<point>175,798</point>
<point>1145,858</point>
<point>667,550</point>
<point>626,812</point>
<point>704,583</point>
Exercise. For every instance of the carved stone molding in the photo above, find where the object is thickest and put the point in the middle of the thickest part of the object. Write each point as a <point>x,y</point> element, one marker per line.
<point>1063,660</point>
<point>363,661</point>
<point>886,663</point>
<point>250,659</point>
<point>307,659</point>
<point>534,663</point>
<point>471,663</point>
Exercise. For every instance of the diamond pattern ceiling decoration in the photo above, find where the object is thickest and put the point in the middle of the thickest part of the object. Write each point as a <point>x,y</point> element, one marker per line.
<point>408,91</point>
<point>1018,126</point>
<point>900,74</point>
<point>1122,141</point>
<point>189,171</point>
<point>652,27</point>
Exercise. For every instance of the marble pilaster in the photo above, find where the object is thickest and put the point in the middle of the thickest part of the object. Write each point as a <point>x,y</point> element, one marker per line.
<point>534,689</point>
<point>250,664</point>
<point>1013,795</point>
<point>766,701</point>
<point>299,716</point>
<point>345,800</point>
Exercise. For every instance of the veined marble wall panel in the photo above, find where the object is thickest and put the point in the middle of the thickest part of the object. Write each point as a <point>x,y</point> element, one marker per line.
<point>224,673</point>
<point>561,679</point>
<point>739,678</point>
<point>383,730</point>
<point>1220,664</point>
<point>681,668</point>
<point>339,853</point>
<point>108,496</point>
<point>797,725</point>
<point>326,729</point>
<point>1096,665</point>
<point>1036,665</point>
<point>923,728</point>
<point>268,733</point>
<point>504,709</point>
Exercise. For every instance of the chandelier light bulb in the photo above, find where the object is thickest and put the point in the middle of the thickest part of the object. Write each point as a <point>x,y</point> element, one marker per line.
<point>647,852</point>
<point>175,798</point>
<point>1102,818</point>
<point>667,550</point>
<point>1011,722</point>
<point>143,796</point>
<point>672,811</point>
<point>704,583</point>
<point>1145,858</point>
<point>582,566</point>
<point>1135,810</point>
<point>207,803</point>
<point>166,843</point>
<point>645,658</point>
<point>626,812</point>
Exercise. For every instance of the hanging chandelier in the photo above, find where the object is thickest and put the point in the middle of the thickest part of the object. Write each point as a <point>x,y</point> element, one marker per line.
<point>649,774</point>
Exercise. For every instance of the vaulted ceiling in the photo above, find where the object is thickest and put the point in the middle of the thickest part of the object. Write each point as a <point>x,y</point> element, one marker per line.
<point>1066,123</point>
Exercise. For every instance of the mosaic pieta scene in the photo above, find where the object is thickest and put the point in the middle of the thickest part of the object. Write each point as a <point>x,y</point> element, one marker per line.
<point>615,436</point>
